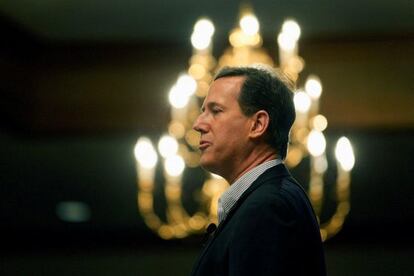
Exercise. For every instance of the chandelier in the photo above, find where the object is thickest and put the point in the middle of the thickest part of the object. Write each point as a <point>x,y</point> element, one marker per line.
<point>178,149</point>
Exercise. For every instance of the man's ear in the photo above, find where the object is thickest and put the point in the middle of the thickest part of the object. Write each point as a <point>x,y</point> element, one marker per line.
<point>260,123</point>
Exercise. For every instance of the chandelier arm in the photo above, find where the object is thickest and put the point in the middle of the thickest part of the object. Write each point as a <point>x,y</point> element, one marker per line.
<point>145,202</point>
<point>316,187</point>
<point>335,223</point>
<point>245,49</point>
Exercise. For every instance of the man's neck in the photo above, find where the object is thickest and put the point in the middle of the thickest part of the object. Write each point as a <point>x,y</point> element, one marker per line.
<point>253,160</point>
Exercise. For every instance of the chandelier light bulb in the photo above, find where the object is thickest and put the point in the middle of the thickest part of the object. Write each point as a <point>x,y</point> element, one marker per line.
<point>174,165</point>
<point>177,98</point>
<point>286,42</point>
<point>313,87</point>
<point>345,154</point>
<point>204,26</point>
<point>291,28</point>
<point>302,102</point>
<point>316,143</point>
<point>200,41</point>
<point>202,34</point>
<point>319,122</point>
<point>167,146</point>
<point>145,153</point>
<point>186,84</point>
<point>249,24</point>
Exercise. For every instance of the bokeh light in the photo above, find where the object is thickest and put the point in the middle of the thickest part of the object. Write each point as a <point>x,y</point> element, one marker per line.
<point>345,154</point>
<point>316,143</point>
<point>313,87</point>
<point>302,101</point>
<point>291,28</point>
<point>249,24</point>
<point>167,146</point>
<point>145,153</point>
<point>174,165</point>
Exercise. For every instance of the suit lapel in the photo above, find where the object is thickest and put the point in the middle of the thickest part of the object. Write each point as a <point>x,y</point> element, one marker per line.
<point>278,171</point>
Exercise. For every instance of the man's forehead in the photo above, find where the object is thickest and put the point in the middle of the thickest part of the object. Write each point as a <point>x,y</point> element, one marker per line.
<point>229,81</point>
<point>223,92</point>
<point>225,88</point>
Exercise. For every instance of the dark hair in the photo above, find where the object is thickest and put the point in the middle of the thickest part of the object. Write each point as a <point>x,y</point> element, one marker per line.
<point>265,89</point>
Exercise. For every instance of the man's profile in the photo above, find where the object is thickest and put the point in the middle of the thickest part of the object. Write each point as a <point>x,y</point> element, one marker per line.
<point>266,223</point>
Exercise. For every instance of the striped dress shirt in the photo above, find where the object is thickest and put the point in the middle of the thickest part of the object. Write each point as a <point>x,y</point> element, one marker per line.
<point>234,192</point>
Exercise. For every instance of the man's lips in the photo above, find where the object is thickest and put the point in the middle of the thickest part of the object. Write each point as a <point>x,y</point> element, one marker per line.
<point>203,145</point>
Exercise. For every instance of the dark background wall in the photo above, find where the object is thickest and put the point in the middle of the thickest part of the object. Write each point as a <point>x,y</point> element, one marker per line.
<point>72,109</point>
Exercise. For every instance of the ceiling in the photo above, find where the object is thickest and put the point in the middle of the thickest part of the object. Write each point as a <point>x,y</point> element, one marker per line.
<point>171,21</point>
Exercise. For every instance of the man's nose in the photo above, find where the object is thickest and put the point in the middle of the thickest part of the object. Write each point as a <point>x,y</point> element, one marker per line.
<point>199,125</point>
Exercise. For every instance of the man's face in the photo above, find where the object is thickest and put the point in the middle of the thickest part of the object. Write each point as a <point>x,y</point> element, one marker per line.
<point>223,127</point>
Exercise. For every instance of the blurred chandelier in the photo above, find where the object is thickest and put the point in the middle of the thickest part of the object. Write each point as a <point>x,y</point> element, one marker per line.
<point>178,149</point>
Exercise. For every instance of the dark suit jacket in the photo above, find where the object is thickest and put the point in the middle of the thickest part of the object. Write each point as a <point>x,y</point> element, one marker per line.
<point>271,230</point>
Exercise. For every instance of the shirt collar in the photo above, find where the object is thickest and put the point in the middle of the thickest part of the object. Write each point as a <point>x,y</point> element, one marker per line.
<point>234,192</point>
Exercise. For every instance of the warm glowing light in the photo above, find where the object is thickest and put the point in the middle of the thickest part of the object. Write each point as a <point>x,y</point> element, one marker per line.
<point>319,122</point>
<point>177,98</point>
<point>294,156</point>
<point>215,186</point>
<point>153,221</point>
<point>180,231</point>
<point>286,42</point>
<point>345,154</point>
<point>236,38</point>
<point>204,26</point>
<point>166,232</point>
<point>197,222</point>
<point>292,29</point>
<point>145,202</point>
<point>200,41</point>
<point>174,165</point>
<point>321,164</point>
<point>313,87</point>
<point>145,153</point>
<point>197,71</point>
<point>302,134</point>
<point>186,85</point>
<point>249,24</point>
<point>176,129</point>
<point>203,31</point>
<point>316,143</point>
<point>167,146</point>
<point>202,90</point>
<point>173,192</point>
<point>302,101</point>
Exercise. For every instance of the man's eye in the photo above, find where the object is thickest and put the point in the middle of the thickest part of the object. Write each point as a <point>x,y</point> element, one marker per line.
<point>215,111</point>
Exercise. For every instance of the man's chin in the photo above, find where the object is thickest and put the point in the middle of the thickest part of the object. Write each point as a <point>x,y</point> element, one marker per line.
<point>208,164</point>
<point>211,168</point>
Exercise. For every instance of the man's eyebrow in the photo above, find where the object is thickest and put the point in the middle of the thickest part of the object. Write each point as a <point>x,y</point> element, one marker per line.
<point>211,105</point>
<point>214,104</point>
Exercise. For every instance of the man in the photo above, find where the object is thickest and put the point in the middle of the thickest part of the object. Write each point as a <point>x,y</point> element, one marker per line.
<point>266,223</point>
